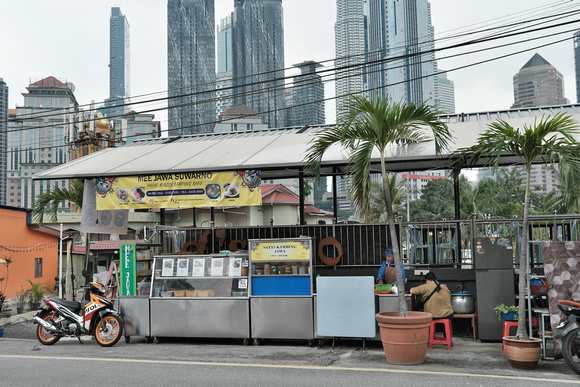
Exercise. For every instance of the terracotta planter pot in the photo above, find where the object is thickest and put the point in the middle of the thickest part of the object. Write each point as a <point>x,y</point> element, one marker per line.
<point>405,339</point>
<point>523,354</point>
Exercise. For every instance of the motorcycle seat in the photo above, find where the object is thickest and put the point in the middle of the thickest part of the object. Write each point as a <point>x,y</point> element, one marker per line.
<point>68,304</point>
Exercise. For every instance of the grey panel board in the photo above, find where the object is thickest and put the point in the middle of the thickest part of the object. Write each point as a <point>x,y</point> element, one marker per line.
<point>493,287</point>
<point>135,314</point>
<point>345,307</point>
<point>282,317</point>
<point>200,318</point>
<point>493,253</point>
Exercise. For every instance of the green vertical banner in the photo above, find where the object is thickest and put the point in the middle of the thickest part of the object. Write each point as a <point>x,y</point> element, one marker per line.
<point>128,280</point>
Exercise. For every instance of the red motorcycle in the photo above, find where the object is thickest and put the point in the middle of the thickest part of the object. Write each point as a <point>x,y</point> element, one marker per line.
<point>571,341</point>
<point>96,317</point>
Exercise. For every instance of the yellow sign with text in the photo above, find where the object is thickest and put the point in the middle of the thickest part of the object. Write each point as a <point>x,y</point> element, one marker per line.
<point>280,250</point>
<point>185,189</point>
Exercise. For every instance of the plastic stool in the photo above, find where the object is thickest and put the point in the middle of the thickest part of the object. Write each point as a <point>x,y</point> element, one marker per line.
<point>434,339</point>
<point>506,331</point>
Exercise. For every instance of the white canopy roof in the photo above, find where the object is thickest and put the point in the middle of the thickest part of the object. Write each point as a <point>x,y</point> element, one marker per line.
<point>278,153</point>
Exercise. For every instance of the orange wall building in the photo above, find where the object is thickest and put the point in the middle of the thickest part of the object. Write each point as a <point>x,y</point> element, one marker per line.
<point>33,251</point>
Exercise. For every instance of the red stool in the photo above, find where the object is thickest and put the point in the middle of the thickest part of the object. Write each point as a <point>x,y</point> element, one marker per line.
<point>434,339</point>
<point>506,331</point>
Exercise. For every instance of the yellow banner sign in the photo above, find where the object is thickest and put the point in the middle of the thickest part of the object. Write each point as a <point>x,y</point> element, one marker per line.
<point>186,189</point>
<point>280,250</point>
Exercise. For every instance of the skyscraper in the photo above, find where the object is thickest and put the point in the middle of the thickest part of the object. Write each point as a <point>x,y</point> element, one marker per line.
<point>350,46</point>
<point>225,66</point>
<point>444,93</point>
<point>37,138</point>
<point>307,96</point>
<point>119,65</point>
<point>3,139</point>
<point>191,66</point>
<point>538,83</point>
<point>224,45</point>
<point>258,46</point>
<point>400,40</point>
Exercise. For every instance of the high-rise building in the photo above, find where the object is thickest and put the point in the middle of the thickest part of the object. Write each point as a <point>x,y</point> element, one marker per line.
<point>3,139</point>
<point>224,45</point>
<point>444,93</point>
<point>307,96</point>
<point>119,65</point>
<point>258,46</point>
<point>538,83</point>
<point>38,137</point>
<point>577,63</point>
<point>191,66</point>
<point>400,44</point>
<point>350,47</point>
<point>224,81</point>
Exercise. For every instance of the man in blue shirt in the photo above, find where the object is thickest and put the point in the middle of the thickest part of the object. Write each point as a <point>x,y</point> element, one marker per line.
<point>389,263</point>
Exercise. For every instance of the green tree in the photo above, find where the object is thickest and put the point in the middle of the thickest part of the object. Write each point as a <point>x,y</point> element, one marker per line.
<point>378,202</point>
<point>48,202</point>
<point>364,126</point>
<point>551,140</point>
<point>436,201</point>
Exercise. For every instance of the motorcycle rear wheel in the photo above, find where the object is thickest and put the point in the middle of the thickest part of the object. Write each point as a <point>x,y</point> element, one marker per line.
<point>109,331</point>
<point>571,349</point>
<point>43,335</point>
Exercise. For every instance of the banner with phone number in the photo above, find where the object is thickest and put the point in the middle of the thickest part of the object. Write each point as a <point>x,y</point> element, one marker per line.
<point>185,189</point>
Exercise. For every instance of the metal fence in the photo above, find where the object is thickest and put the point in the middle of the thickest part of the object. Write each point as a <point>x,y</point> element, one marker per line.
<point>422,243</point>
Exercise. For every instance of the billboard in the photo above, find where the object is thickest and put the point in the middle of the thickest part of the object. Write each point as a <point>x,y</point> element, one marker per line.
<point>185,189</point>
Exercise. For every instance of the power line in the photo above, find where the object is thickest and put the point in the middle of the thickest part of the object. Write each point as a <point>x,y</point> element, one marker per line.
<point>337,70</point>
<point>395,48</point>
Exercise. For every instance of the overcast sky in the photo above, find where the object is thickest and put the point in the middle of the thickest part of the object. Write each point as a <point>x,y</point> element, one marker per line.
<point>70,39</point>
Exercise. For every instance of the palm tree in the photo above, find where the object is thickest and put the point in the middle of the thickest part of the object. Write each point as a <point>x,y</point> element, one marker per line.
<point>378,202</point>
<point>48,202</point>
<point>364,126</point>
<point>551,140</point>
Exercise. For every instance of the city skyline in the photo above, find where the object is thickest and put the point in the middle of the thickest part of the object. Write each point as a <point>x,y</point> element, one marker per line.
<point>309,36</point>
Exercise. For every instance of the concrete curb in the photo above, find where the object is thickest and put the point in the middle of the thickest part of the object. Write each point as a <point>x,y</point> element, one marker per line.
<point>18,318</point>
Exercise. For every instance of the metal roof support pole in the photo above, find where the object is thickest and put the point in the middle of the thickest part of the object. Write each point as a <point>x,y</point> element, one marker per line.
<point>334,197</point>
<point>301,194</point>
<point>458,252</point>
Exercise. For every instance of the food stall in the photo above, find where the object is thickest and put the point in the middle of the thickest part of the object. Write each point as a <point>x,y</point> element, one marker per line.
<point>200,296</point>
<point>281,296</point>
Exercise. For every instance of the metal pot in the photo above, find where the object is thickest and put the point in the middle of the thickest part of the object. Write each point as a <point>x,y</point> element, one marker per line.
<point>462,303</point>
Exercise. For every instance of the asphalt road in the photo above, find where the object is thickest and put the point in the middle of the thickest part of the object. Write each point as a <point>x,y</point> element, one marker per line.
<point>218,362</point>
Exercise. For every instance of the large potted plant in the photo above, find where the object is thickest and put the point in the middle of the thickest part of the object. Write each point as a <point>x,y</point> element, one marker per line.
<point>551,140</point>
<point>379,125</point>
<point>36,292</point>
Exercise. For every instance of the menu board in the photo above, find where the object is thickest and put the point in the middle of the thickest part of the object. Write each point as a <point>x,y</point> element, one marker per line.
<point>182,267</point>
<point>235,267</point>
<point>217,267</point>
<point>167,269</point>
<point>198,267</point>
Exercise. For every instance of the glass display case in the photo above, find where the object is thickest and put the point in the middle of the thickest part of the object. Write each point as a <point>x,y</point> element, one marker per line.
<point>200,276</point>
<point>200,296</point>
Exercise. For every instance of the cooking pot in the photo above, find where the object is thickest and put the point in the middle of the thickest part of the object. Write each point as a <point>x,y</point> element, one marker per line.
<point>462,302</point>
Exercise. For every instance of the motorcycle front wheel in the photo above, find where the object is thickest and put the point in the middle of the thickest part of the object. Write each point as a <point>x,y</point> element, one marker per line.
<point>571,349</point>
<point>109,330</point>
<point>43,335</point>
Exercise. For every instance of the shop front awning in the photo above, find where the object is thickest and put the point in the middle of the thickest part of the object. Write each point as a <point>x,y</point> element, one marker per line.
<point>278,153</point>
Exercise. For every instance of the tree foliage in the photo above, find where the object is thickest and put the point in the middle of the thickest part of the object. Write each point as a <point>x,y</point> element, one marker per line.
<point>551,140</point>
<point>48,202</point>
